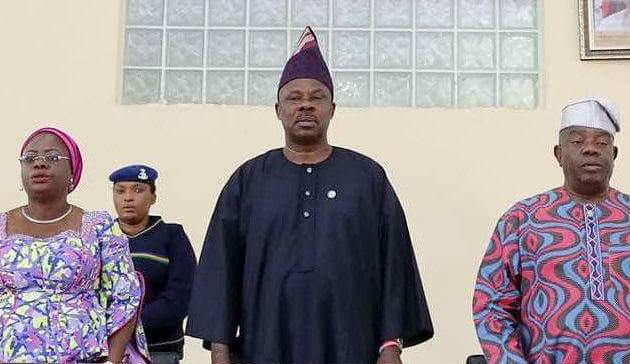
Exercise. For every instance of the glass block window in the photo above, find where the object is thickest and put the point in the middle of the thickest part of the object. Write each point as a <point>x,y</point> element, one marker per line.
<point>404,53</point>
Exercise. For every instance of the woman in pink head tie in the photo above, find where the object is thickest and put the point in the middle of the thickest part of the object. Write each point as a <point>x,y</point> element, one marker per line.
<point>68,289</point>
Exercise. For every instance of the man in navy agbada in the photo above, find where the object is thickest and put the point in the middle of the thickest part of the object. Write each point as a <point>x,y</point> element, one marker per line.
<point>308,258</point>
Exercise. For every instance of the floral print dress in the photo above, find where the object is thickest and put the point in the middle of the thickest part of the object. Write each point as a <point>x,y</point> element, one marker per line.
<point>62,296</point>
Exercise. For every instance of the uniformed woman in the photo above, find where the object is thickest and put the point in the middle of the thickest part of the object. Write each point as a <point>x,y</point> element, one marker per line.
<point>163,254</point>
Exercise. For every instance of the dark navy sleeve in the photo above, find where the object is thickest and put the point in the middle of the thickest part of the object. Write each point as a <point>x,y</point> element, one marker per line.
<point>171,305</point>
<point>405,314</point>
<point>215,303</point>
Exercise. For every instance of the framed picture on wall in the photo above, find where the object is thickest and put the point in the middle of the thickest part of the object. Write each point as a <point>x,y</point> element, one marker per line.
<point>604,29</point>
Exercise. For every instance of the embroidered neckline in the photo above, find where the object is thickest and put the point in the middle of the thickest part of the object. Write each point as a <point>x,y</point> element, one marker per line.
<point>594,251</point>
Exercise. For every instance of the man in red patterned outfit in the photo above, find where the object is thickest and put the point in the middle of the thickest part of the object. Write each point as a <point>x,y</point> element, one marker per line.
<point>554,285</point>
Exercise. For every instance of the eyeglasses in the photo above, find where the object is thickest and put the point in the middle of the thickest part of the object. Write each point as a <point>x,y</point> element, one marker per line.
<point>50,159</point>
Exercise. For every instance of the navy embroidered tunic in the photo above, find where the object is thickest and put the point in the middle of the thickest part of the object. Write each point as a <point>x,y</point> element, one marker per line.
<point>312,264</point>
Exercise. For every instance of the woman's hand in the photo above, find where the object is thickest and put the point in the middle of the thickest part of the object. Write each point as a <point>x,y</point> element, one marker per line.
<point>118,341</point>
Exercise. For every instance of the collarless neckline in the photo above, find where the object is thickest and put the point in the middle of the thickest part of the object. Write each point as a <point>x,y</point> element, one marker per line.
<point>324,162</point>
<point>80,233</point>
<point>603,200</point>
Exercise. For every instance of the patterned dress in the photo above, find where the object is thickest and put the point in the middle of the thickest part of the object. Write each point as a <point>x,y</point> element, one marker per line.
<point>62,296</point>
<point>554,285</point>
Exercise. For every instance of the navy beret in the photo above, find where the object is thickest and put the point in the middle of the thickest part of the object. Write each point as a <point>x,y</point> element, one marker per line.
<point>134,173</point>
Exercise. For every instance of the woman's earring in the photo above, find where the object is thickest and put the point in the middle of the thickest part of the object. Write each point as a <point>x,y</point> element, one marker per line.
<point>71,180</point>
<point>21,188</point>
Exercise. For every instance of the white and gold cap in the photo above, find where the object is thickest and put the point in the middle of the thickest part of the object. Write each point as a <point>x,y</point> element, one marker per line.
<point>591,112</point>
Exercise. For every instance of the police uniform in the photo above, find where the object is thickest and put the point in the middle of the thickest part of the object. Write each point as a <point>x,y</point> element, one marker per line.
<point>165,257</point>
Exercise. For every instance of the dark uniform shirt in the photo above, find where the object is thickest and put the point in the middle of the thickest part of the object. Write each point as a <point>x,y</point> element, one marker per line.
<point>164,256</point>
<point>312,263</point>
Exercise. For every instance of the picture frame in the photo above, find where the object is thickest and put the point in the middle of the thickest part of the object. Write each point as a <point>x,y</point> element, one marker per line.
<point>604,29</point>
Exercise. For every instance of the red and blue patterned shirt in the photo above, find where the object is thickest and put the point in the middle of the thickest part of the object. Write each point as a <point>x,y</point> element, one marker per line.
<point>554,285</point>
